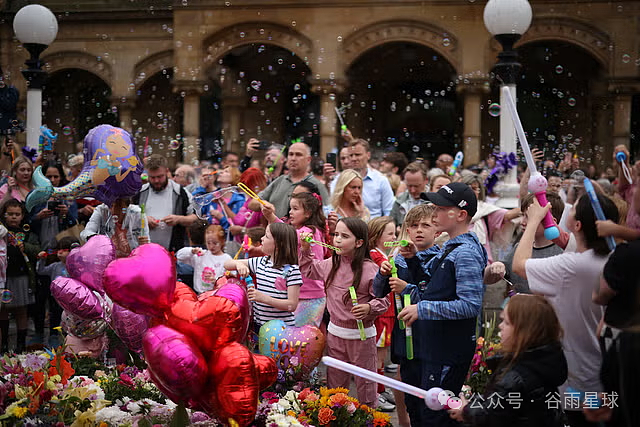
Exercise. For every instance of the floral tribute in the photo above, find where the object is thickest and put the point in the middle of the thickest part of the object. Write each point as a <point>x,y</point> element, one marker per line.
<point>326,407</point>
<point>486,347</point>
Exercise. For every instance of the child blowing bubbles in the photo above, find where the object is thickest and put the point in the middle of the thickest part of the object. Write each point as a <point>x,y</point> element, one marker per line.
<point>208,264</point>
<point>352,267</point>
<point>278,278</point>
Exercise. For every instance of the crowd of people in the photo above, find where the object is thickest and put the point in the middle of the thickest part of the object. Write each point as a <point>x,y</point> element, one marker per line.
<point>383,227</point>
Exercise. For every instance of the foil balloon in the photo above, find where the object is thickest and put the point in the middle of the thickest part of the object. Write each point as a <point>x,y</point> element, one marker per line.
<point>176,363</point>
<point>235,379</point>
<point>76,298</point>
<point>144,282</point>
<point>111,170</point>
<point>211,320</point>
<point>130,327</point>
<point>291,346</point>
<point>82,328</point>
<point>88,262</point>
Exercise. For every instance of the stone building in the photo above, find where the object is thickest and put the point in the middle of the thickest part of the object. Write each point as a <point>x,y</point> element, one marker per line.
<point>192,78</point>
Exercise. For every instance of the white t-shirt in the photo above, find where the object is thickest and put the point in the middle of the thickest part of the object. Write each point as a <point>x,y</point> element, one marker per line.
<point>568,280</point>
<point>199,263</point>
<point>159,205</point>
<point>273,282</point>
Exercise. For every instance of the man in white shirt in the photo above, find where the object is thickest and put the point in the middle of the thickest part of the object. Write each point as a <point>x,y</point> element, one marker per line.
<point>376,192</point>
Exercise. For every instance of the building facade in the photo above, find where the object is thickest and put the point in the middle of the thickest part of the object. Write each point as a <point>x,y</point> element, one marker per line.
<point>193,78</point>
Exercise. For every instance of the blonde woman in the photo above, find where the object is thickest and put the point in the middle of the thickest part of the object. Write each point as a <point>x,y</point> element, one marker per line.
<point>19,182</point>
<point>346,199</point>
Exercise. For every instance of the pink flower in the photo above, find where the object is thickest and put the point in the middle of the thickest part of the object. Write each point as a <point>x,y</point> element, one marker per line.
<point>351,407</point>
<point>294,361</point>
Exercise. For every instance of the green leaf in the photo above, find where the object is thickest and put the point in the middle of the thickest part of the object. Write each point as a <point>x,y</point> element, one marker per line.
<point>144,423</point>
<point>180,417</point>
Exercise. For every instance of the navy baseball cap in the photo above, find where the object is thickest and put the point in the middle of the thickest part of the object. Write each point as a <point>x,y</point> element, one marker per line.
<point>456,194</point>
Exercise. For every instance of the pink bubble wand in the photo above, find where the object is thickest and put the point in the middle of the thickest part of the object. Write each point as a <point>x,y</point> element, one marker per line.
<point>537,182</point>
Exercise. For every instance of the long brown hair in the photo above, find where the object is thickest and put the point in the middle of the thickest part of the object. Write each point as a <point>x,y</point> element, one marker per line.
<point>286,244</point>
<point>535,324</point>
<point>360,230</point>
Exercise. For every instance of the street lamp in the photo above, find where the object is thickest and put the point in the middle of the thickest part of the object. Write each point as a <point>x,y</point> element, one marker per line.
<point>507,21</point>
<point>36,27</point>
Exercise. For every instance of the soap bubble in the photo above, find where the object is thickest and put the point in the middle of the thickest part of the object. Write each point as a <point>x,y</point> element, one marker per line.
<point>494,109</point>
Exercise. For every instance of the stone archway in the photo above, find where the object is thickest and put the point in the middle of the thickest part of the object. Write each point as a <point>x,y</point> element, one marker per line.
<point>152,65</point>
<point>79,60</point>
<point>222,42</point>
<point>422,33</point>
<point>596,42</point>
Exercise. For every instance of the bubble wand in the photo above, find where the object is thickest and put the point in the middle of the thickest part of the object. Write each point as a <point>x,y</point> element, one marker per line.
<point>621,158</point>
<point>396,243</point>
<point>143,220</point>
<point>394,273</point>
<point>275,162</point>
<point>456,163</point>
<point>408,331</point>
<point>310,240</point>
<point>354,300</point>
<point>342,125</point>
<point>597,208</point>
<point>250,193</point>
<point>537,182</point>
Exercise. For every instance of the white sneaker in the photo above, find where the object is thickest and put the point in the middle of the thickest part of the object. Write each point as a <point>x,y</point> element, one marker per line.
<point>385,406</point>
<point>388,396</point>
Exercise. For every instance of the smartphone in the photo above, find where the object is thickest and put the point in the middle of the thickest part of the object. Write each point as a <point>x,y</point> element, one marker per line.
<point>53,205</point>
<point>332,159</point>
<point>264,145</point>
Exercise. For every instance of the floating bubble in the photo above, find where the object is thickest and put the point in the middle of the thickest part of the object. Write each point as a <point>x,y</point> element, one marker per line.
<point>256,84</point>
<point>160,114</point>
<point>494,109</point>
<point>559,69</point>
<point>6,296</point>
<point>415,148</point>
<point>626,58</point>
<point>66,131</point>
<point>446,42</point>
<point>572,102</point>
<point>174,144</point>
<point>296,87</point>
<point>339,39</point>
<point>254,99</point>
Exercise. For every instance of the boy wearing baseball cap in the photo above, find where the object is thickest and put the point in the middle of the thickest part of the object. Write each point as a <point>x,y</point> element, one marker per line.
<point>449,301</point>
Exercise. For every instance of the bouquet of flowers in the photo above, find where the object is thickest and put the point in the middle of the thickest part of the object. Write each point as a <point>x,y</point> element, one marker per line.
<point>486,347</point>
<point>328,407</point>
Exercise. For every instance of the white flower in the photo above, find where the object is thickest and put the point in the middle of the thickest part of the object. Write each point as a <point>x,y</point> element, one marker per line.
<point>133,407</point>
<point>113,415</point>
<point>282,420</point>
<point>291,396</point>
<point>284,404</point>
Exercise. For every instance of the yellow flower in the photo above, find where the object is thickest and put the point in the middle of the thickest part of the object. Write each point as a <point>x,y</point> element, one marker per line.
<point>19,412</point>
<point>481,341</point>
<point>84,419</point>
<point>21,392</point>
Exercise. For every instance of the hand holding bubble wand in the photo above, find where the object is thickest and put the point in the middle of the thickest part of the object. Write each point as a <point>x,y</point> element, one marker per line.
<point>398,300</point>
<point>597,208</point>
<point>246,244</point>
<point>205,199</point>
<point>339,112</point>
<point>143,220</point>
<point>537,182</point>
<point>408,331</point>
<point>354,300</point>
<point>275,162</point>
<point>456,163</point>
<point>621,157</point>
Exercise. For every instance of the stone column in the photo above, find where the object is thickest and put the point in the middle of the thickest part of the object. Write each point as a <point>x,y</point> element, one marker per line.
<point>125,108</point>
<point>473,92</point>
<point>621,119</point>
<point>191,92</point>
<point>327,90</point>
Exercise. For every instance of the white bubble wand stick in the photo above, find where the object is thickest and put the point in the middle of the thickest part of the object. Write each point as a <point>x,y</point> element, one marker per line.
<point>537,182</point>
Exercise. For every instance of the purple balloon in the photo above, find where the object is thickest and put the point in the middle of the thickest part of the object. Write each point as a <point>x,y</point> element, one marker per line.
<point>129,326</point>
<point>111,170</point>
<point>176,364</point>
<point>88,262</point>
<point>76,298</point>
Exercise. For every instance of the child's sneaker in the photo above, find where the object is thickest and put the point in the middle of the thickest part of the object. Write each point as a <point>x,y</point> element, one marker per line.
<point>384,406</point>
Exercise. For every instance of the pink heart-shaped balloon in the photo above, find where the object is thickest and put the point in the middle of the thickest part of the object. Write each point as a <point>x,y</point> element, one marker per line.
<point>76,298</point>
<point>291,346</point>
<point>144,281</point>
<point>176,364</point>
<point>88,262</point>
<point>130,327</point>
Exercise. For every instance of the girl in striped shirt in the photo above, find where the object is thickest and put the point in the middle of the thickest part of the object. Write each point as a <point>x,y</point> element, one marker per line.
<point>278,278</point>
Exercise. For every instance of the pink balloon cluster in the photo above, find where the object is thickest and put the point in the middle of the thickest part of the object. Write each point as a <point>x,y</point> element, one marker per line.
<point>82,296</point>
<point>192,348</point>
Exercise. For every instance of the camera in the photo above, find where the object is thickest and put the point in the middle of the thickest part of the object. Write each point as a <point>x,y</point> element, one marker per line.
<point>264,145</point>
